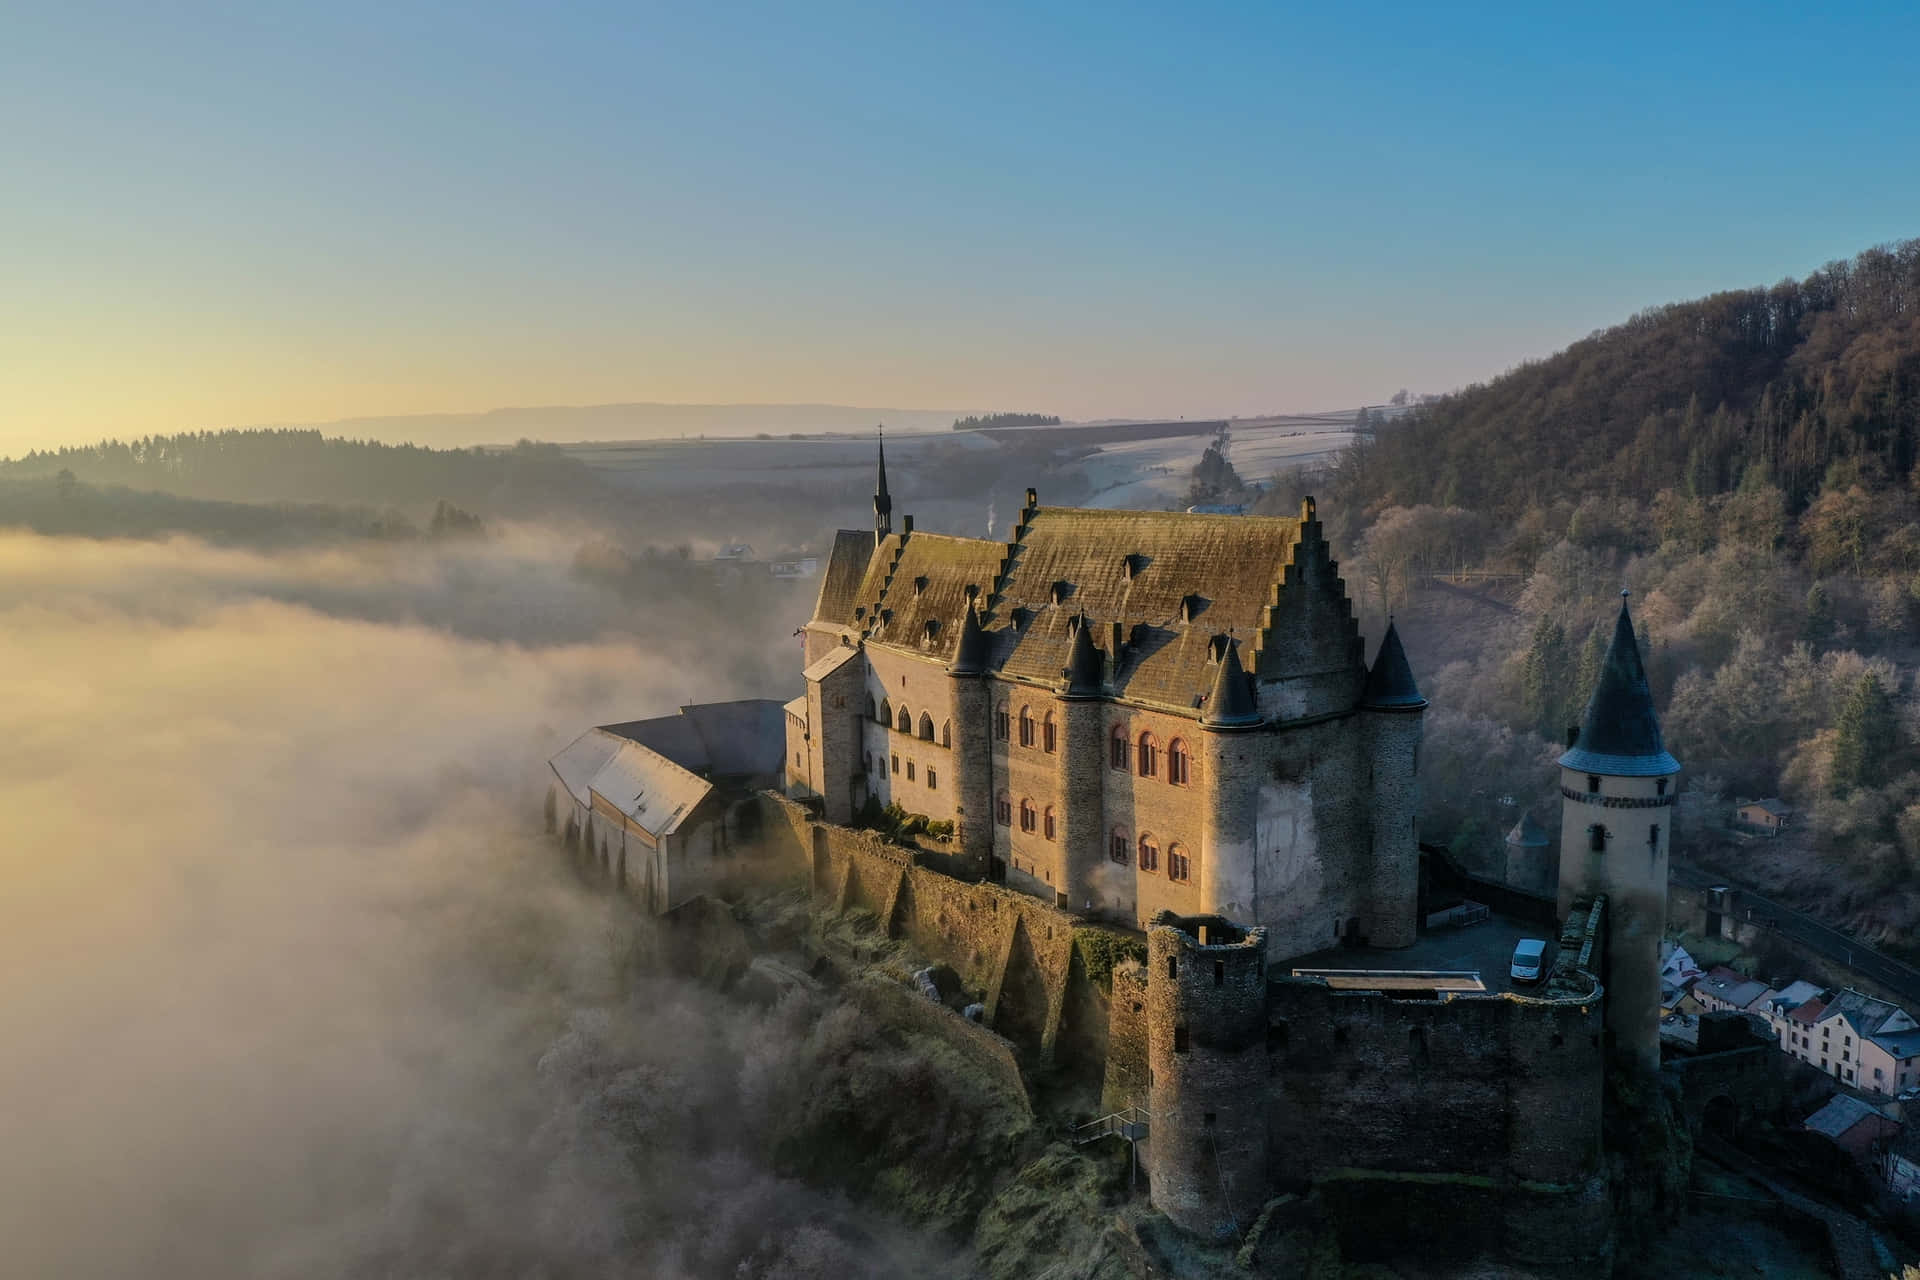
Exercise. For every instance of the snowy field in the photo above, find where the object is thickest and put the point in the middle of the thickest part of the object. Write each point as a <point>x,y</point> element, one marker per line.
<point>1155,473</point>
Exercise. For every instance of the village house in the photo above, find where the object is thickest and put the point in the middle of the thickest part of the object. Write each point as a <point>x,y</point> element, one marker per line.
<point>1768,817</point>
<point>1900,1167</point>
<point>657,804</point>
<point>1778,1007</point>
<point>1858,1040</point>
<point>1855,1126</point>
<point>1724,990</point>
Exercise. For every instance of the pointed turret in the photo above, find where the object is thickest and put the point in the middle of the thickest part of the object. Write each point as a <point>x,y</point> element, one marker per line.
<point>1620,735</point>
<point>971,655</point>
<point>882,500</point>
<point>1390,685</point>
<point>1231,705</point>
<point>1528,834</point>
<point>1082,674</point>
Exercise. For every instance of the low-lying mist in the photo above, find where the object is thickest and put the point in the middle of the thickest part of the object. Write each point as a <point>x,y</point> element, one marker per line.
<point>293,986</point>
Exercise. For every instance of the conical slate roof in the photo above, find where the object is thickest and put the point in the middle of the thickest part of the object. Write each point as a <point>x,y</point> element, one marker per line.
<point>1529,834</point>
<point>970,657</point>
<point>1231,705</point>
<point>1390,685</point>
<point>1083,662</point>
<point>1620,736</point>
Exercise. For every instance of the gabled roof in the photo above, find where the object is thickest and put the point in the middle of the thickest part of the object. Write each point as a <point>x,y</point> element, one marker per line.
<point>1390,685</point>
<point>1620,736</point>
<point>1808,1014</point>
<point>721,739</point>
<point>653,792</point>
<point>1775,807</point>
<point>1730,987</point>
<point>846,564</point>
<point>1865,1014</point>
<point>1900,1045</point>
<point>1792,996</point>
<point>1159,587</point>
<point>1842,1112</point>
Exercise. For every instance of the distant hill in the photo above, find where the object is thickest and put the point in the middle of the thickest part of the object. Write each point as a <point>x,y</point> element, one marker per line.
<point>638,421</point>
<point>1692,396</point>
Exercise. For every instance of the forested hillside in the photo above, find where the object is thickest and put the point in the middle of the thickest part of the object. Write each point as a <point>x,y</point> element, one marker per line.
<point>1745,464</point>
<point>304,466</point>
<point>1695,397</point>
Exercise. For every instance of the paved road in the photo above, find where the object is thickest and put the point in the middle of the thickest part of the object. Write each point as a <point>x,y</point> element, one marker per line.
<point>1901,979</point>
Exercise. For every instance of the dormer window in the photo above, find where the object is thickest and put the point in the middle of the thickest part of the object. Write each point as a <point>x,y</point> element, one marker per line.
<point>1189,608</point>
<point>1060,592</point>
<point>1129,566</point>
<point>920,584</point>
<point>932,627</point>
<point>859,612</point>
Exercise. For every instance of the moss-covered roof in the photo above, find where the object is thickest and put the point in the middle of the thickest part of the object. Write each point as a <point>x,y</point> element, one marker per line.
<point>839,586</point>
<point>1161,590</point>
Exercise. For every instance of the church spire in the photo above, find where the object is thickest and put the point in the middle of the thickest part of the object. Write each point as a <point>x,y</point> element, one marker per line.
<point>882,500</point>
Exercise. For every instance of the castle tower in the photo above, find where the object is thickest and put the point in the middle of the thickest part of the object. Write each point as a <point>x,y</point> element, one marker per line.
<point>1207,1072</point>
<point>972,743</point>
<point>1617,795</point>
<point>1230,777</point>
<point>1391,715</point>
<point>1079,766</point>
<point>1532,863</point>
<point>882,500</point>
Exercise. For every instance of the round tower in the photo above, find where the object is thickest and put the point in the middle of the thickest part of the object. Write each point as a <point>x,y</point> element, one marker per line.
<point>1207,1072</point>
<point>1080,766</point>
<point>1532,862</point>
<point>972,743</point>
<point>1617,788</point>
<point>1392,713</point>
<point>1230,777</point>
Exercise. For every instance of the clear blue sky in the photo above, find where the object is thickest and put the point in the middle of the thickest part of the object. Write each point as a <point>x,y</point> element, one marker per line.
<point>297,212</point>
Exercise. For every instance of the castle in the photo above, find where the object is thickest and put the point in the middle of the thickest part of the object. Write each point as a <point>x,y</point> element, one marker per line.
<point>1161,725</point>
<point>1124,712</point>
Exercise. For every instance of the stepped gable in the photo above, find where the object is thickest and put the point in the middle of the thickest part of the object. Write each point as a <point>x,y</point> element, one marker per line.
<point>923,578</point>
<point>1390,685</point>
<point>1620,736</point>
<point>840,585</point>
<point>1138,569</point>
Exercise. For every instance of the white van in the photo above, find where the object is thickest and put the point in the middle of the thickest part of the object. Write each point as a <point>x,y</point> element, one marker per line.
<point>1529,960</point>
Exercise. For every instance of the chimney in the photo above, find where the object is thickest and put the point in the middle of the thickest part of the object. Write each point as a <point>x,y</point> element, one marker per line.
<point>906,524</point>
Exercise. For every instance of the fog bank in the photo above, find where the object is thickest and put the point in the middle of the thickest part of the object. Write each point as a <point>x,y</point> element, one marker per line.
<point>293,986</point>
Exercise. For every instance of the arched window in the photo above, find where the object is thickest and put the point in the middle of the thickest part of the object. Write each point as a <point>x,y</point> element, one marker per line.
<point>1148,756</point>
<point>1003,809</point>
<point>1046,823</point>
<point>946,733</point>
<point>1118,754</point>
<point>1120,848</point>
<point>886,713</point>
<point>1026,726</point>
<point>926,727</point>
<point>873,711</point>
<point>1178,770</point>
<point>905,724</point>
<point>1049,735</point>
<point>1149,853</point>
<point>1179,868</point>
<point>1002,727</point>
<point>1029,816</point>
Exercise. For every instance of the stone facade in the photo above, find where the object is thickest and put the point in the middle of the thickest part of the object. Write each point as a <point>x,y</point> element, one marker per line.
<point>1117,797</point>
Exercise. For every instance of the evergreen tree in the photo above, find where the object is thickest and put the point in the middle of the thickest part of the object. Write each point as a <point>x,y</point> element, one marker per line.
<point>1592,654</point>
<point>1867,734</point>
<point>1544,679</point>
<point>1816,628</point>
